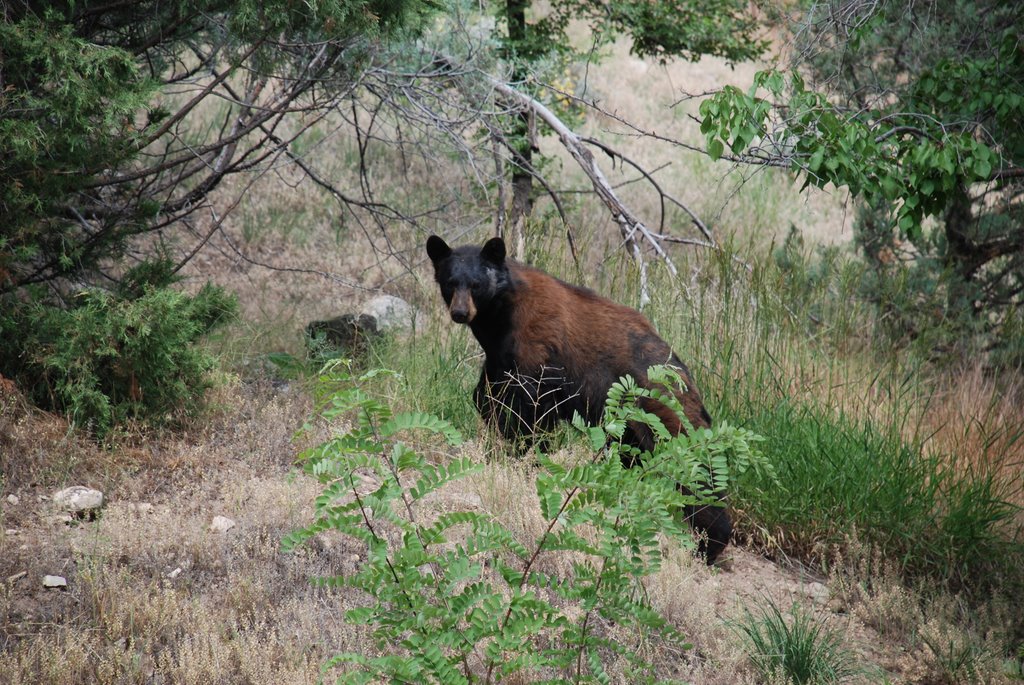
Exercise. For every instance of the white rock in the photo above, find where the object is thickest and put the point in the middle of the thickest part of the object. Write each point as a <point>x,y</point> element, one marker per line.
<point>13,500</point>
<point>11,531</point>
<point>175,573</point>
<point>55,581</point>
<point>390,312</point>
<point>817,591</point>
<point>221,524</point>
<point>78,499</point>
<point>140,507</point>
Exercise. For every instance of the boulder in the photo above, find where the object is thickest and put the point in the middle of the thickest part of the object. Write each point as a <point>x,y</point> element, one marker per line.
<point>390,313</point>
<point>348,334</point>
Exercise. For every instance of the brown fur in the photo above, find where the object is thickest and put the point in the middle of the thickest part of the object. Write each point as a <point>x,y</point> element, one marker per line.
<point>589,329</point>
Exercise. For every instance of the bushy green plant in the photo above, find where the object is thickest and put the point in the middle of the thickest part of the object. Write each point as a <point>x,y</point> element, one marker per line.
<point>841,475</point>
<point>798,651</point>
<point>109,357</point>
<point>459,598</point>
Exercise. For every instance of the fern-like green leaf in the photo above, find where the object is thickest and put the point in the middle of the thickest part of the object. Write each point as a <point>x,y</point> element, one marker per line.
<point>421,421</point>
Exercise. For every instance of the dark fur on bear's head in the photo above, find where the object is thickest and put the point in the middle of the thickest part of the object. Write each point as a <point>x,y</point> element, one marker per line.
<point>471,277</point>
<point>553,349</point>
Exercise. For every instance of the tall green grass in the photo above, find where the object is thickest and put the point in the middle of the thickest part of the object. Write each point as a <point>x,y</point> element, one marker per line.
<point>788,352</point>
<point>840,475</point>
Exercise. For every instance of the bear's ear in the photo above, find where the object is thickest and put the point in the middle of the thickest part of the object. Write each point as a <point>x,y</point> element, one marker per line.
<point>437,249</point>
<point>494,251</point>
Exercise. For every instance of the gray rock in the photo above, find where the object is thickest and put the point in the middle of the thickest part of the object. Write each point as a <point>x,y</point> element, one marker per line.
<point>221,524</point>
<point>55,582</point>
<point>390,312</point>
<point>349,333</point>
<point>78,500</point>
<point>352,334</point>
<point>13,500</point>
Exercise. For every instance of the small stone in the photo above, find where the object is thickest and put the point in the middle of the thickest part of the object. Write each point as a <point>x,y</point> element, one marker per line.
<point>13,500</point>
<point>817,591</point>
<point>65,519</point>
<point>78,500</point>
<point>175,573</point>
<point>11,531</point>
<point>54,582</point>
<point>221,524</point>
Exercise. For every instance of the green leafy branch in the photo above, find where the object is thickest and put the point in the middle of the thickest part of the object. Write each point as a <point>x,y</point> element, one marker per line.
<point>915,154</point>
<point>459,598</point>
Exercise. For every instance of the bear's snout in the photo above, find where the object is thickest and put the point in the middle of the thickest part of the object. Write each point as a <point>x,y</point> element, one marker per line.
<point>462,307</point>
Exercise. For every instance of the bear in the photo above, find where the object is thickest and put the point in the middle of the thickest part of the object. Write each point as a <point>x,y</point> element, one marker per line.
<point>552,349</point>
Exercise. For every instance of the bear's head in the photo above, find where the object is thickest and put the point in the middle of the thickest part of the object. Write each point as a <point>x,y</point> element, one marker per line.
<point>471,277</point>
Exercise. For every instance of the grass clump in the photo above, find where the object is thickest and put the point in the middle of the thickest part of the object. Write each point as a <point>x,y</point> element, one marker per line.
<point>798,650</point>
<point>841,475</point>
<point>853,434</point>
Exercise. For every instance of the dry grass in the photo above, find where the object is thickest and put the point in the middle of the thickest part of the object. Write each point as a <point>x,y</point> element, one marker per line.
<point>978,419</point>
<point>944,640</point>
<point>154,595</point>
<point>749,205</point>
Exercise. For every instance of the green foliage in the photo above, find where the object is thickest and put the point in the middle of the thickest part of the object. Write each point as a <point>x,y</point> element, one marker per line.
<point>96,151</point>
<point>912,161</point>
<point>799,651</point>
<point>108,357</point>
<point>459,598</point>
<point>921,120</point>
<point>87,138</point>
<point>689,29</point>
<point>67,110</point>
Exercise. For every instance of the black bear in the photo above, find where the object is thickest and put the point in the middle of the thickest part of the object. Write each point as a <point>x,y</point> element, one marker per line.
<point>552,349</point>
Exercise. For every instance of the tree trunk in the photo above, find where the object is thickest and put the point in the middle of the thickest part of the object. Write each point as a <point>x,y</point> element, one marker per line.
<point>520,136</point>
<point>961,256</point>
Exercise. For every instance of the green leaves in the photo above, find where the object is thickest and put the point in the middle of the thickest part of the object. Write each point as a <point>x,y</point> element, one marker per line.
<point>459,599</point>
<point>904,156</point>
<point>420,421</point>
<point>109,358</point>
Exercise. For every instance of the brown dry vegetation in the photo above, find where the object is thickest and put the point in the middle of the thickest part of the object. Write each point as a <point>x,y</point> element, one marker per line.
<point>155,596</point>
